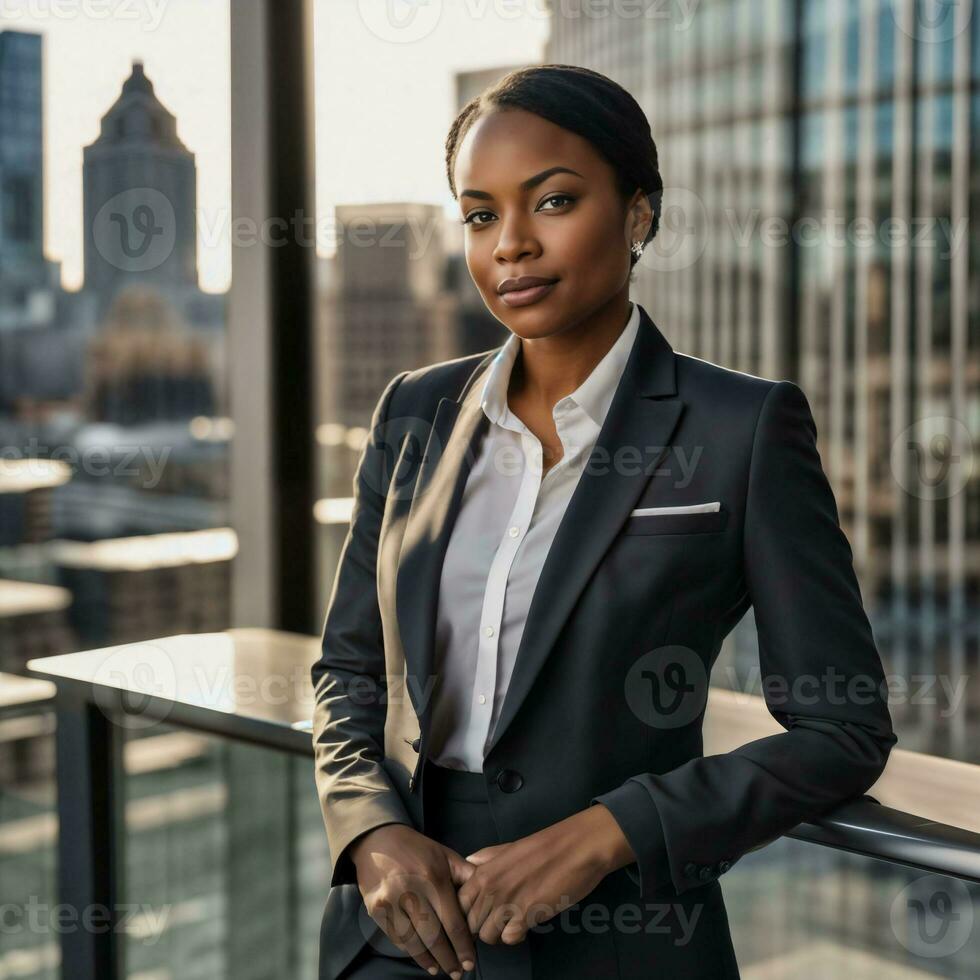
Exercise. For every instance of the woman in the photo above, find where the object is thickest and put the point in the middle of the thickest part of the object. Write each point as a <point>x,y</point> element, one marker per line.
<point>527,610</point>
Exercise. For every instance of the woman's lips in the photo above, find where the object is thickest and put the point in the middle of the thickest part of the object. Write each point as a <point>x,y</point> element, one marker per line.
<point>525,297</point>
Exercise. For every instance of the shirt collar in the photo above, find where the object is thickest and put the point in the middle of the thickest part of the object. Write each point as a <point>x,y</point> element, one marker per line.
<point>594,395</point>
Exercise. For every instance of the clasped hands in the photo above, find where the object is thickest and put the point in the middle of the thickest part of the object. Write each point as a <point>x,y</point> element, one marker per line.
<point>431,902</point>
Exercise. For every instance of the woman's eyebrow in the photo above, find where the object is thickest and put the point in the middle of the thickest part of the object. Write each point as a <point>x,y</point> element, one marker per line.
<point>527,184</point>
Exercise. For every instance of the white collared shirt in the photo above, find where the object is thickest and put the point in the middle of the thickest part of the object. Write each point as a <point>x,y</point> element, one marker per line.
<point>507,521</point>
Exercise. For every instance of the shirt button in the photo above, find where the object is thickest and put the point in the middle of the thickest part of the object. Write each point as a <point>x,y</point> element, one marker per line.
<point>489,631</point>
<point>483,699</point>
<point>514,531</point>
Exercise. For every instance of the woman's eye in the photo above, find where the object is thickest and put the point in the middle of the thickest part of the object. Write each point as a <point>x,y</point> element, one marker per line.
<point>469,219</point>
<point>561,198</point>
<point>558,197</point>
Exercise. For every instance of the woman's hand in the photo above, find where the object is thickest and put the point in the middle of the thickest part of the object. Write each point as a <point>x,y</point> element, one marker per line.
<point>408,882</point>
<point>528,881</point>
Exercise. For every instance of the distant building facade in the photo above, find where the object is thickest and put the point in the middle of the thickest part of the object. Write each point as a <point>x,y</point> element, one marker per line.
<point>140,206</point>
<point>821,167</point>
<point>25,276</point>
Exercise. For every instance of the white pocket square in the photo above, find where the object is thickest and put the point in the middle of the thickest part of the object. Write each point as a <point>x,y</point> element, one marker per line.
<point>685,509</point>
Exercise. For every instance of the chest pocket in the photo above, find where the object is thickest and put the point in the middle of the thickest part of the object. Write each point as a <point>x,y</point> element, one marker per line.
<point>697,523</point>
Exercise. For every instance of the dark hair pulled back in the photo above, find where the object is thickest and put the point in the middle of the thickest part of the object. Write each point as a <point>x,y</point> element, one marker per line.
<point>584,102</point>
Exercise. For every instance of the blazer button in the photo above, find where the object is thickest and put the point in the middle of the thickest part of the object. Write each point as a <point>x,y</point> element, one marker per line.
<point>691,869</point>
<point>705,873</point>
<point>509,780</point>
<point>416,744</point>
<point>723,866</point>
<point>411,783</point>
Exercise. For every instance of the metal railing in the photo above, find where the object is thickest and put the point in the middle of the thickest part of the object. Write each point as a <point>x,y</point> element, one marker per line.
<point>219,683</point>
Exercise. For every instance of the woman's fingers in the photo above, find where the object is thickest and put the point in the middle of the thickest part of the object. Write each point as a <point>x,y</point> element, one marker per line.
<point>454,924</point>
<point>477,909</point>
<point>496,922</point>
<point>400,929</point>
<point>515,931</point>
<point>408,883</point>
<point>428,927</point>
<point>460,870</point>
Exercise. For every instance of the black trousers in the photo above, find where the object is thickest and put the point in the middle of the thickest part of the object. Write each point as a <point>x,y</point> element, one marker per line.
<point>457,814</point>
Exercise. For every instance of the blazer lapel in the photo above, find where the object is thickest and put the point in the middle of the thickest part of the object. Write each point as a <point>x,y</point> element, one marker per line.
<point>605,494</point>
<point>450,450</point>
<point>600,504</point>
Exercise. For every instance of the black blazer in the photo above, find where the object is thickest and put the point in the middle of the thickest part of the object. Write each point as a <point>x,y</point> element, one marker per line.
<point>608,692</point>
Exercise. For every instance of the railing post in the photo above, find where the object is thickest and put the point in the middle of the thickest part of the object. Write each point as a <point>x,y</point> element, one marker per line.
<point>90,840</point>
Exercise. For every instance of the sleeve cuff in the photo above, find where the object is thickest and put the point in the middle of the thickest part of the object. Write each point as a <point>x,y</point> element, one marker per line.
<point>639,820</point>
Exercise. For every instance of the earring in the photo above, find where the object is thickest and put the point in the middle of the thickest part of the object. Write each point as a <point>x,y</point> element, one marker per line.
<point>637,248</point>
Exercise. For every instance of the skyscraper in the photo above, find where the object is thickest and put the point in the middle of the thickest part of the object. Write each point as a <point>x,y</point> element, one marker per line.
<point>22,267</point>
<point>821,170</point>
<point>140,198</point>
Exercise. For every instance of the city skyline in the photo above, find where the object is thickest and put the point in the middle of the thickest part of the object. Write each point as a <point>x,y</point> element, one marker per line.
<point>184,46</point>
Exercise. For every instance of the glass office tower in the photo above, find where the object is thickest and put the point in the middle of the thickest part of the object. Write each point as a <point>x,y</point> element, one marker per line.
<point>820,175</point>
<point>22,265</point>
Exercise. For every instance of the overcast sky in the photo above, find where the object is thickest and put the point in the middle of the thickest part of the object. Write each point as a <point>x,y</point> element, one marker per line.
<point>381,86</point>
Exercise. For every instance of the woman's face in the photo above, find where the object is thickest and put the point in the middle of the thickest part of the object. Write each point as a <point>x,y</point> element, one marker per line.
<point>538,200</point>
